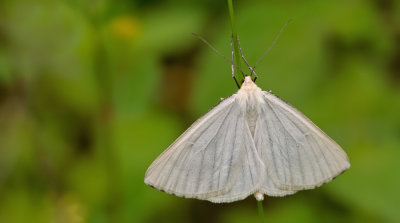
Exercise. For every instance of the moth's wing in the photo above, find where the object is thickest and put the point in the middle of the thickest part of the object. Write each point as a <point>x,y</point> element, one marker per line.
<point>269,187</point>
<point>214,157</point>
<point>249,169</point>
<point>296,153</point>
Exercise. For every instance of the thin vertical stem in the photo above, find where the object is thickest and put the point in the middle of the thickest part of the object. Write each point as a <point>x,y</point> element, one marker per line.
<point>260,211</point>
<point>234,38</point>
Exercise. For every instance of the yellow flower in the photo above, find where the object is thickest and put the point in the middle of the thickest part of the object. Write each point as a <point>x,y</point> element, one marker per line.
<point>126,27</point>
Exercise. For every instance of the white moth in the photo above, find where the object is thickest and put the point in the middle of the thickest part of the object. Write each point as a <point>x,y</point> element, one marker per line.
<point>250,143</point>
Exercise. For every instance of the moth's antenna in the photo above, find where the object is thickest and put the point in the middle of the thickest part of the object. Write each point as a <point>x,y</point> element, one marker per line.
<point>244,59</point>
<point>273,43</point>
<point>219,53</point>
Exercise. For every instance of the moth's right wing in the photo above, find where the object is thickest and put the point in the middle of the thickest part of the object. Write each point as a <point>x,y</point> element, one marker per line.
<point>297,154</point>
<point>215,159</point>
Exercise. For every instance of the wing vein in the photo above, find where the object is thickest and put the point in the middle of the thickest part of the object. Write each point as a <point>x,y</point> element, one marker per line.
<point>290,134</point>
<point>207,146</point>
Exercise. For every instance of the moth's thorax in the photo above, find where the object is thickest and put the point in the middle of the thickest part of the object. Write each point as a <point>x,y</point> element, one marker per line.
<point>250,95</point>
<point>250,98</point>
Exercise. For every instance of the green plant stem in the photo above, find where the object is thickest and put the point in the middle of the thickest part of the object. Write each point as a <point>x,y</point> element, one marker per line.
<point>234,38</point>
<point>239,63</point>
<point>260,211</point>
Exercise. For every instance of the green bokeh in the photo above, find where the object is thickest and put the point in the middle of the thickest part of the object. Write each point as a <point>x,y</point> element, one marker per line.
<point>91,92</point>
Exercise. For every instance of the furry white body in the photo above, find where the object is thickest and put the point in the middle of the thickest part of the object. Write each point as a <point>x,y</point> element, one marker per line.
<point>250,143</point>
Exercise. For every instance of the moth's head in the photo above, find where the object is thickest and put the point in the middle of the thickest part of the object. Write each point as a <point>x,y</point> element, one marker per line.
<point>247,83</point>
<point>247,79</point>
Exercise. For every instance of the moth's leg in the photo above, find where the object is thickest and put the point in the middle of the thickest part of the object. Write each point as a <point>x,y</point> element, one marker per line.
<point>233,67</point>
<point>247,63</point>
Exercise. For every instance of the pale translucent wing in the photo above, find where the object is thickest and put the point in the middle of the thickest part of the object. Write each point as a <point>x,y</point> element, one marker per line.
<point>215,156</point>
<point>272,189</point>
<point>249,169</point>
<point>296,153</point>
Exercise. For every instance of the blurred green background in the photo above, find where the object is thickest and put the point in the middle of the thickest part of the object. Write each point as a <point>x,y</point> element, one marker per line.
<point>92,91</point>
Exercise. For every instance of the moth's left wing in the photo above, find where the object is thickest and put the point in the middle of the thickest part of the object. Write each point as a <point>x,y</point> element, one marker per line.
<point>215,159</point>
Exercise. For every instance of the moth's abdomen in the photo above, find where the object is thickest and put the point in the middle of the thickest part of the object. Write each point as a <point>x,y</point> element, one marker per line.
<point>251,119</point>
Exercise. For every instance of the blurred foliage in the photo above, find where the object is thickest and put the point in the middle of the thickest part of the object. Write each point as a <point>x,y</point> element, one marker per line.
<point>91,92</point>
